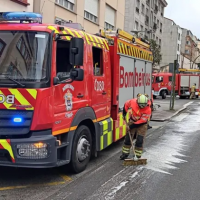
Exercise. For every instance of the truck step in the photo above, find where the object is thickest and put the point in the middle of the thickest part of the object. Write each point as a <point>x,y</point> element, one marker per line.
<point>62,162</point>
<point>64,144</point>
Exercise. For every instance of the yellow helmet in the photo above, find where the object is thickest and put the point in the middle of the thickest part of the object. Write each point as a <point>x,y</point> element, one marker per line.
<point>142,101</point>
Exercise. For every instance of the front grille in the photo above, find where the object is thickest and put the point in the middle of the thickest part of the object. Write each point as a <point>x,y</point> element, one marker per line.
<point>8,127</point>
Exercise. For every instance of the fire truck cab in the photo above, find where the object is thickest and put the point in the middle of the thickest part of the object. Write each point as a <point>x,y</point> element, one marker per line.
<point>62,90</point>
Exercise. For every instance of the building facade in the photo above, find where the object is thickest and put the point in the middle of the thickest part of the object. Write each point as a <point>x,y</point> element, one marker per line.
<point>147,16</point>
<point>171,42</point>
<point>91,14</point>
<point>189,48</point>
<point>16,5</point>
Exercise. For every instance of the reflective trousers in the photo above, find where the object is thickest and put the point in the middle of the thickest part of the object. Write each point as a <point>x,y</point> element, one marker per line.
<point>139,134</point>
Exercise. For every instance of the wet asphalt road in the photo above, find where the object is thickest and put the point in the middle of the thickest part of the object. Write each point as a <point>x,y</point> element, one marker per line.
<point>172,172</point>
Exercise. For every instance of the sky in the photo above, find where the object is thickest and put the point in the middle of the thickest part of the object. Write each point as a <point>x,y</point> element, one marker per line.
<point>185,13</point>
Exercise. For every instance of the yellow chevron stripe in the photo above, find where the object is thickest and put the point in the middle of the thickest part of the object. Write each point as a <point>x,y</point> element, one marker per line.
<point>6,104</point>
<point>94,44</point>
<point>53,29</point>
<point>69,31</point>
<point>67,37</point>
<point>76,32</point>
<point>32,92</point>
<point>123,50</point>
<point>90,37</point>
<point>7,146</point>
<point>20,98</point>
<point>120,49</point>
<point>87,39</point>
<point>106,44</point>
<point>100,40</point>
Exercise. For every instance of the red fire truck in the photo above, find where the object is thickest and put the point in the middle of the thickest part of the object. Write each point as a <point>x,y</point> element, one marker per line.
<point>62,90</point>
<point>162,83</point>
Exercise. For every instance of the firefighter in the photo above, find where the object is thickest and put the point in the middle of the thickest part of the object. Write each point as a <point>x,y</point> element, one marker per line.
<point>193,90</point>
<point>137,125</point>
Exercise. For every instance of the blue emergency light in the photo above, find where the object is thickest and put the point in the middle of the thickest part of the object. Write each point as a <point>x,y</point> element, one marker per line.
<point>21,16</point>
<point>17,119</point>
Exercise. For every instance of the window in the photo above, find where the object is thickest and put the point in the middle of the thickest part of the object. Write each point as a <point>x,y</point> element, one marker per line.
<point>90,16</point>
<point>63,66</point>
<point>91,10</point>
<point>136,25</point>
<point>97,61</point>
<point>178,47</point>
<point>170,78</point>
<point>159,6</point>
<point>154,19</point>
<point>141,28</point>
<point>154,36</point>
<point>147,11</point>
<point>160,27</point>
<point>187,51</point>
<point>156,39</point>
<point>69,4</point>
<point>142,8</point>
<point>157,23</point>
<point>177,57</point>
<point>109,18</point>
<point>109,26</point>
<point>179,36</point>
<point>159,79</point>
<point>160,42</point>
<point>2,46</point>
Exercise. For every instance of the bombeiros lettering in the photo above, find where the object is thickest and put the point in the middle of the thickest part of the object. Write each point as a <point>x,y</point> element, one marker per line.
<point>7,99</point>
<point>134,79</point>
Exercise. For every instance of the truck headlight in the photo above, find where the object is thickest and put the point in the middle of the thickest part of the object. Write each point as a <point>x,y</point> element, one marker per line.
<point>33,150</point>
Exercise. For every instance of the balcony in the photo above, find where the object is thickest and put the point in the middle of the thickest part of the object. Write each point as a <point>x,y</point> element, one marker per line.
<point>146,20</point>
<point>156,9</point>
<point>155,26</point>
<point>137,10</point>
<point>22,2</point>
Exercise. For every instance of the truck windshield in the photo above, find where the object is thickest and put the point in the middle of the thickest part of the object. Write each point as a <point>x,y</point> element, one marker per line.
<point>23,56</point>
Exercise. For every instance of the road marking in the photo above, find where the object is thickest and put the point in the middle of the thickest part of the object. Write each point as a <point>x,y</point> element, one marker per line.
<point>180,117</point>
<point>31,185</point>
<point>64,177</point>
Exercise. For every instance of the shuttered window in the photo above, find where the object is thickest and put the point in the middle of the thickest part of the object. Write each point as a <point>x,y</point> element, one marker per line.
<point>69,4</point>
<point>91,10</point>
<point>109,18</point>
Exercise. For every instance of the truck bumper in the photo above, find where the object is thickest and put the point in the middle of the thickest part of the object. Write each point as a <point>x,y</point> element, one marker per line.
<point>10,156</point>
<point>155,93</point>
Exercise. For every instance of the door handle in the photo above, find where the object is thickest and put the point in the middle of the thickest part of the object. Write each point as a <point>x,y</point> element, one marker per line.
<point>80,96</point>
<point>104,93</point>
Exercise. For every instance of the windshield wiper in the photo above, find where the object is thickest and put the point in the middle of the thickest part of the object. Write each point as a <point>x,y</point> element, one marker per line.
<point>18,83</point>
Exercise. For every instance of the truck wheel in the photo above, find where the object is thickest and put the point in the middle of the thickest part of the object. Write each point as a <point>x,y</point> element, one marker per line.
<point>154,97</point>
<point>81,149</point>
<point>164,95</point>
<point>197,96</point>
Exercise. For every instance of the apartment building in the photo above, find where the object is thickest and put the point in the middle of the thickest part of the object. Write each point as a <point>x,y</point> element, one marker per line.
<point>16,5</point>
<point>146,16</point>
<point>91,14</point>
<point>171,42</point>
<point>189,47</point>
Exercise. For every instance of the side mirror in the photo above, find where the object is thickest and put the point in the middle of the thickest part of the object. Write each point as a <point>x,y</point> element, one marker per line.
<point>77,74</point>
<point>76,51</point>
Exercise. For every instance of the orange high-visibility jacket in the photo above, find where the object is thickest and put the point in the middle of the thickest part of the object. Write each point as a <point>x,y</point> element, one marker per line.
<point>139,115</point>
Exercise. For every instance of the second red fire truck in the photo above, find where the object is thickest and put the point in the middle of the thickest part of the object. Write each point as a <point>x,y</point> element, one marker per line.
<point>62,90</point>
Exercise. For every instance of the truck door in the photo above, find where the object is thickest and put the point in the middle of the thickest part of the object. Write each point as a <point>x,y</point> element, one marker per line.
<point>68,97</point>
<point>101,86</point>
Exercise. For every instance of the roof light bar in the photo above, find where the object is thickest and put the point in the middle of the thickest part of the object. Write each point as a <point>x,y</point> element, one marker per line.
<point>21,16</point>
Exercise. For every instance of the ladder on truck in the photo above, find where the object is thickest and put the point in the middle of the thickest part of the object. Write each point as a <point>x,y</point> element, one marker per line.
<point>125,36</point>
<point>189,71</point>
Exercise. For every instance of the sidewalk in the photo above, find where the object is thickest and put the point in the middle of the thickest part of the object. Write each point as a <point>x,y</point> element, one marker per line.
<point>163,113</point>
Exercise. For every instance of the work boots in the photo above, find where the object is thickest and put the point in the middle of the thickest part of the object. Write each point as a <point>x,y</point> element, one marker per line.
<point>123,156</point>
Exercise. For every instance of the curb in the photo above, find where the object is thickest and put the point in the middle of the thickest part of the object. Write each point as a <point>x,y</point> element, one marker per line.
<point>176,113</point>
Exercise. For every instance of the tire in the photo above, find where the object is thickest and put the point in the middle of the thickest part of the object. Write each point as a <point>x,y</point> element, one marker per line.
<point>164,94</point>
<point>197,96</point>
<point>154,97</point>
<point>78,163</point>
